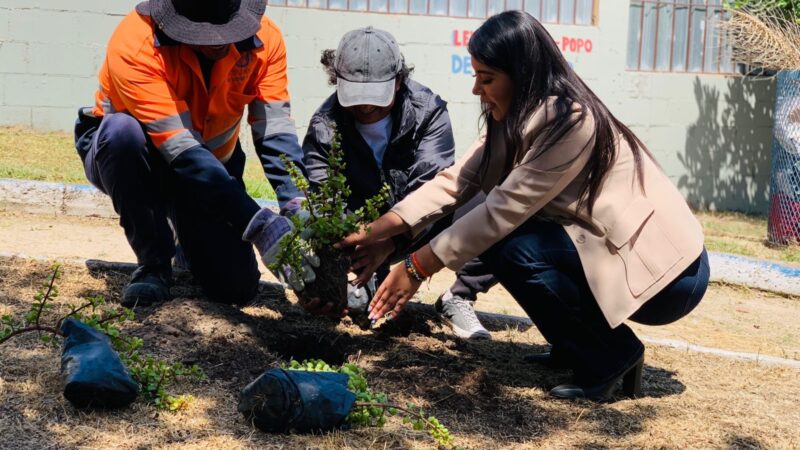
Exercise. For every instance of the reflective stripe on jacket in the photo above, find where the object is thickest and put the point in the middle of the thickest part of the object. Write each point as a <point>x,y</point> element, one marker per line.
<point>162,86</point>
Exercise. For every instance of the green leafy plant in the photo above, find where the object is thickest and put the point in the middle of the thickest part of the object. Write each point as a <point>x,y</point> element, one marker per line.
<point>788,9</point>
<point>763,34</point>
<point>328,222</point>
<point>154,376</point>
<point>372,408</point>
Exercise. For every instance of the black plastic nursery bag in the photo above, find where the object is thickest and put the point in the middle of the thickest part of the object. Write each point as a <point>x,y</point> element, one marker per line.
<point>92,373</point>
<point>280,401</point>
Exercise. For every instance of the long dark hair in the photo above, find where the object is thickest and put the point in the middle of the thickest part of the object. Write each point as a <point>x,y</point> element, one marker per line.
<point>515,43</point>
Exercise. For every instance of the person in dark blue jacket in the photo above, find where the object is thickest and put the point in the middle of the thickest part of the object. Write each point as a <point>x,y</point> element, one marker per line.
<point>395,131</point>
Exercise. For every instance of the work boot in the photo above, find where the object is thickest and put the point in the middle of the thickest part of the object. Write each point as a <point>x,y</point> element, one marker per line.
<point>459,314</point>
<point>149,284</point>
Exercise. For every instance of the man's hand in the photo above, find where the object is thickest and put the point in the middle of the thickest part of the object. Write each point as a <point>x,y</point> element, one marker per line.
<point>386,226</point>
<point>367,258</point>
<point>294,207</point>
<point>265,231</point>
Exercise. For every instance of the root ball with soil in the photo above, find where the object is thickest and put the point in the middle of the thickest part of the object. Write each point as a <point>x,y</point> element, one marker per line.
<point>328,221</point>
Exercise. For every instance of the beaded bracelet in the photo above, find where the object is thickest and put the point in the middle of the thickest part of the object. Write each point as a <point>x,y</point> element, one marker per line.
<point>418,266</point>
<point>412,271</point>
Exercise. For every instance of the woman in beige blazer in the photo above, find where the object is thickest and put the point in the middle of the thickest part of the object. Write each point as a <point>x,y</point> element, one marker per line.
<point>579,224</point>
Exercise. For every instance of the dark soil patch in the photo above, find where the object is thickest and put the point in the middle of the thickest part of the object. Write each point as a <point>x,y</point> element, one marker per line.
<point>332,349</point>
<point>330,284</point>
<point>483,391</point>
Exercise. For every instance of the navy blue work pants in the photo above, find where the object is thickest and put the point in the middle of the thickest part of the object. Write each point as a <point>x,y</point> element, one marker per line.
<point>539,265</point>
<point>120,161</point>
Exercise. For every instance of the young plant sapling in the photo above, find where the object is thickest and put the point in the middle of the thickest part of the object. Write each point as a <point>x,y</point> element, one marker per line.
<point>327,223</point>
<point>155,376</point>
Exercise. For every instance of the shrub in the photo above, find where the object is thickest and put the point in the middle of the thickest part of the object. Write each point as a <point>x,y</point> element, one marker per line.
<point>328,222</point>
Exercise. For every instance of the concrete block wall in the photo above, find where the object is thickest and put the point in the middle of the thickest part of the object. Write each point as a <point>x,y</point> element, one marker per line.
<point>50,52</point>
<point>710,133</point>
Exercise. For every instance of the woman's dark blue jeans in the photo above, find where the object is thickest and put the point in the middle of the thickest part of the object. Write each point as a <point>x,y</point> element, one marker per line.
<point>539,265</point>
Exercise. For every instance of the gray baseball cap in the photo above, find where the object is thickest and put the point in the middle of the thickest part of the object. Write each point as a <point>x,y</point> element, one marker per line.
<point>367,63</point>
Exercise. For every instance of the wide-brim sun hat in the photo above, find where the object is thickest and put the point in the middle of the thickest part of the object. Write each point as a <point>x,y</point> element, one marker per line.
<point>205,22</point>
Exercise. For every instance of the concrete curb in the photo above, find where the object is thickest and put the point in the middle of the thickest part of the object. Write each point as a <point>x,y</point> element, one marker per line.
<point>755,273</point>
<point>729,354</point>
<point>83,200</point>
<point>523,323</point>
<point>492,320</point>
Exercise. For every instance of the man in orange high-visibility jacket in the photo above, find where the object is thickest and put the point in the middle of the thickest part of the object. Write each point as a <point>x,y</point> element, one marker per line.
<point>162,141</point>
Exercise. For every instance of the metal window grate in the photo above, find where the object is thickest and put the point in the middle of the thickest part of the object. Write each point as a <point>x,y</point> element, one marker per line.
<point>567,12</point>
<point>678,36</point>
<point>784,202</point>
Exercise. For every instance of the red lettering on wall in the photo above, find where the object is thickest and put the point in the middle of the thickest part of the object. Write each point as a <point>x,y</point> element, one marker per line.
<point>461,37</point>
<point>576,45</point>
<point>567,44</point>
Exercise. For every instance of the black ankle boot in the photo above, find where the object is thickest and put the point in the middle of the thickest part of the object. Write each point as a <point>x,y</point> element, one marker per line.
<point>551,359</point>
<point>631,385</point>
<point>149,284</point>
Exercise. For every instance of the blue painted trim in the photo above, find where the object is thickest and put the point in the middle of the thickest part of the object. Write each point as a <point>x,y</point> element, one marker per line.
<point>793,272</point>
<point>82,187</point>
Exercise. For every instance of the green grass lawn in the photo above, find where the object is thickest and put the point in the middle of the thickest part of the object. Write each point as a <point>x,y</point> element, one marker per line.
<point>32,155</point>
<point>743,235</point>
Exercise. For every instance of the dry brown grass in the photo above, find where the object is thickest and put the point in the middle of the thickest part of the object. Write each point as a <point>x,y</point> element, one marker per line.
<point>730,317</point>
<point>763,39</point>
<point>738,319</point>
<point>481,391</point>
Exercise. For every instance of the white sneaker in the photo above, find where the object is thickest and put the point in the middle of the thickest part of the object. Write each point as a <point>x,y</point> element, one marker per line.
<point>459,314</point>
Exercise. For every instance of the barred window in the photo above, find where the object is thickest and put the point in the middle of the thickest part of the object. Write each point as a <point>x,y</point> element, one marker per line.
<point>568,12</point>
<point>677,36</point>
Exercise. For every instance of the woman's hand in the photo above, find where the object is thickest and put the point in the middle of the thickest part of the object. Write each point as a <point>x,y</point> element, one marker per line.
<point>367,258</point>
<point>384,227</point>
<point>394,293</point>
<point>400,286</point>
